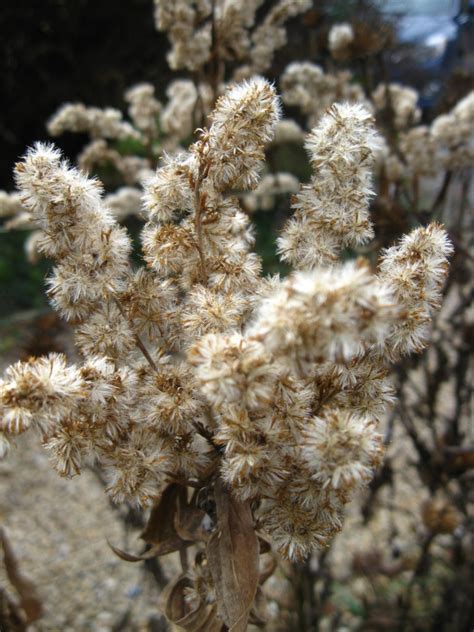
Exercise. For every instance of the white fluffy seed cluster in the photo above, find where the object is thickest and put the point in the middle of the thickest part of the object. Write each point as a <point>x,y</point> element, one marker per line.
<point>415,270</point>
<point>144,108</point>
<point>308,87</point>
<point>340,39</point>
<point>447,144</point>
<point>75,117</point>
<point>270,187</point>
<point>199,30</point>
<point>332,210</point>
<point>236,150</point>
<point>79,232</point>
<point>414,151</point>
<point>401,100</point>
<point>196,366</point>
<point>454,133</point>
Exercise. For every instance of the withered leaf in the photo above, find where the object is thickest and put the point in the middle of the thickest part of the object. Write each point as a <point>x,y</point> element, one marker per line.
<point>176,609</point>
<point>188,523</point>
<point>163,548</point>
<point>267,568</point>
<point>160,526</point>
<point>213,623</point>
<point>12,618</point>
<point>172,602</point>
<point>258,613</point>
<point>232,554</point>
<point>30,601</point>
<point>264,543</point>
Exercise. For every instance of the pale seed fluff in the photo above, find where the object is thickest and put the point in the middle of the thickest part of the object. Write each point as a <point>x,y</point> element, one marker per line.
<point>301,517</point>
<point>308,87</point>
<point>332,210</point>
<point>287,131</point>
<point>232,369</point>
<point>340,38</point>
<point>38,392</point>
<point>401,100</point>
<point>341,448</point>
<point>415,271</point>
<point>143,108</point>
<point>10,204</point>
<point>243,122</point>
<point>168,193</point>
<point>333,313</point>
<point>76,117</point>
<point>171,402</point>
<point>125,202</point>
<point>207,311</point>
<point>270,187</point>
<point>454,136</point>
<point>420,151</point>
<point>79,232</point>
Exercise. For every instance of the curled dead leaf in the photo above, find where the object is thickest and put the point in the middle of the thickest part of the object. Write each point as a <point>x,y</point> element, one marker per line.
<point>160,526</point>
<point>175,607</point>
<point>188,523</point>
<point>155,551</point>
<point>258,613</point>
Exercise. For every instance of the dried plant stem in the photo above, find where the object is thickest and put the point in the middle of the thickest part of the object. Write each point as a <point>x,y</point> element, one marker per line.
<point>442,192</point>
<point>199,207</point>
<point>138,340</point>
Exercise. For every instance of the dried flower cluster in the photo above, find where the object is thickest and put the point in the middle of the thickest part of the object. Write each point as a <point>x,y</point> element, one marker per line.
<point>307,86</point>
<point>200,30</point>
<point>263,393</point>
<point>401,100</point>
<point>340,38</point>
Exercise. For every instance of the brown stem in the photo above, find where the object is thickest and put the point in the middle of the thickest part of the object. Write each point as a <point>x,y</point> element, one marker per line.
<point>458,226</point>
<point>138,341</point>
<point>442,192</point>
<point>198,209</point>
<point>207,434</point>
<point>416,192</point>
<point>183,558</point>
<point>216,69</point>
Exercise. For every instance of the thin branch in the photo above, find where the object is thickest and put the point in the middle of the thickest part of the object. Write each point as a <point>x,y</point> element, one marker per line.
<point>138,340</point>
<point>198,209</point>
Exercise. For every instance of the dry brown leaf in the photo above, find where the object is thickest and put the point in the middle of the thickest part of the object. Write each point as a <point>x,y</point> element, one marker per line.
<point>12,618</point>
<point>213,623</point>
<point>232,555</point>
<point>30,601</point>
<point>258,614</point>
<point>264,542</point>
<point>172,602</point>
<point>176,609</point>
<point>159,549</point>
<point>160,525</point>
<point>188,523</point>
<point>267,568</point>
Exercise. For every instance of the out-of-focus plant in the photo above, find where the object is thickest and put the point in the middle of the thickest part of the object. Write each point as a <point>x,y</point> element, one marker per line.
<point>22,606</point>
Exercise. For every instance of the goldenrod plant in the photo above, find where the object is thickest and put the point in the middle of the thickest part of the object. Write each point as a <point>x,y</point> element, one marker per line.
<point>244,408</point>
